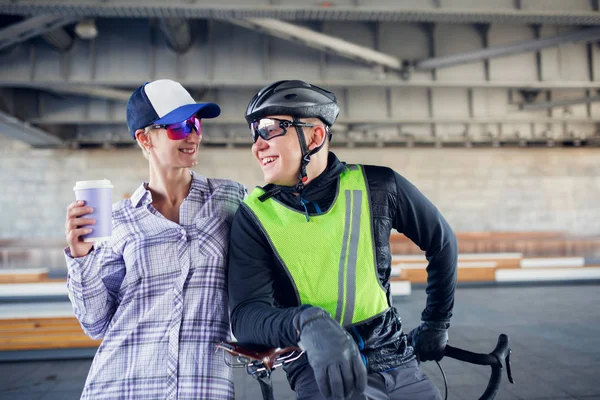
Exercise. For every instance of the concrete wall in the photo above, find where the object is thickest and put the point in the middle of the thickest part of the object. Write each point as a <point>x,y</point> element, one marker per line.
<point>476,189</point>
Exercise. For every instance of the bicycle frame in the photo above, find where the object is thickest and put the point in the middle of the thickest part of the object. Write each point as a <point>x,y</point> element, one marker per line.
<point>261,361</point>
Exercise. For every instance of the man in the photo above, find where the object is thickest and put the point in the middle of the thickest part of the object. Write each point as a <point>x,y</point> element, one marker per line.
<point>156,290</point>
<point>310,263</point>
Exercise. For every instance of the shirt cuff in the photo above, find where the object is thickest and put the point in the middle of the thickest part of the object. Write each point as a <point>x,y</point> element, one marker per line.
<point>76,265</point>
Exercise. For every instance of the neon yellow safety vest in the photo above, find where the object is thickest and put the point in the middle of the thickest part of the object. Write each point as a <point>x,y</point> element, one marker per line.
<point>330,259</point>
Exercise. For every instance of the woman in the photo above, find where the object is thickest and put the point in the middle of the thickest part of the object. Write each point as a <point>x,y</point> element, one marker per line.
<point>156,290</point>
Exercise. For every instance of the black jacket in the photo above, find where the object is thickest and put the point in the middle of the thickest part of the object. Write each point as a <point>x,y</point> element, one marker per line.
<point>261,295</point>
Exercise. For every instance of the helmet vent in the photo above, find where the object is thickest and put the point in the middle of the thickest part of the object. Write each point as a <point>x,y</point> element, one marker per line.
<point>290,96</point>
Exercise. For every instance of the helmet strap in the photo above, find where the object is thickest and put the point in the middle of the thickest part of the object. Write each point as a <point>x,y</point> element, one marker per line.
<point>302,176</point>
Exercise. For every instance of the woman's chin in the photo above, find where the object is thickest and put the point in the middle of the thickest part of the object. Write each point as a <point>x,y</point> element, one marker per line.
<point>191,162</point>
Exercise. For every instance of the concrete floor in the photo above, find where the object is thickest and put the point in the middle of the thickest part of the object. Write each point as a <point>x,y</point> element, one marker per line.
<point>555,334</point>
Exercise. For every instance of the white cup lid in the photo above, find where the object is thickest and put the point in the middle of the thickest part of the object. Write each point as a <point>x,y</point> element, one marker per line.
<point>99,184</point>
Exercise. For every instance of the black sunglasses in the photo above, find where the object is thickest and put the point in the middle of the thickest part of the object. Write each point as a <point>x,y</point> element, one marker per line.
<point>269,128</point>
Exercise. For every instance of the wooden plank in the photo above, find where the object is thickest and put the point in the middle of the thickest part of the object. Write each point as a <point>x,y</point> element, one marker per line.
<point>412,258</point>
<point>502,260</point>
<point>41,321</point>
<point>63,343</point>
<point>44,338</point>
<point>494,235</point>
<point>39,326</point>
<point>22,276</point>
<point>56,338</point>
<point>461,264</point>
<point>406,270</point>
<point>463,275</point>
<point>35,333</point>
<point>531,244</point>
<point>50,280</point>
<point>59,330</point>
<point>507,263</point>
<point>511,235</point>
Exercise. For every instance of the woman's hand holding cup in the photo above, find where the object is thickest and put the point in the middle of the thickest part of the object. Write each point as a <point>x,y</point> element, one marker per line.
<point>73,230</point>
<point>93,207</point>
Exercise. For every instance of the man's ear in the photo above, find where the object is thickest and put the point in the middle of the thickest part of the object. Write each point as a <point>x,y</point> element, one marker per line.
<point>143,138</point>
<point>318,137</point>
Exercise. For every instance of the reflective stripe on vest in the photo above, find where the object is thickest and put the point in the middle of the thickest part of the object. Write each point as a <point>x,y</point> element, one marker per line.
<point>329,259</point>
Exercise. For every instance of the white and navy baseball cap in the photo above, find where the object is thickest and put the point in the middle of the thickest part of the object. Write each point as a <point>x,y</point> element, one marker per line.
<point>164,102</point>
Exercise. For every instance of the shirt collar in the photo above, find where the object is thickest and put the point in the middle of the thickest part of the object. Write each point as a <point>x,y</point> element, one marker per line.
<point>143,195</point>
<point>199,183</point>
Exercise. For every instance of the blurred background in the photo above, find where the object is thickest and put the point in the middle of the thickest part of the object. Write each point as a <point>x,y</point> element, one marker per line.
<point>490,107</point>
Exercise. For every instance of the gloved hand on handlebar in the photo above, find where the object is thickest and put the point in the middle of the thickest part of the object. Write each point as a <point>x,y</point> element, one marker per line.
<point>429,340</point>
<point>332,354</point>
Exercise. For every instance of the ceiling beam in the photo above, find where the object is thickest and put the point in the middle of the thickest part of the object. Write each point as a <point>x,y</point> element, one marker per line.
<point>110,89</point>
<point>491,120</point>
<point>583,35</point>
<point>177,32</point>
<point>266,9</point>
<point>319,41</point>
<point>542,105</point>
<point>101,92</point>
<point>31,27</point>
<point>23,131</point>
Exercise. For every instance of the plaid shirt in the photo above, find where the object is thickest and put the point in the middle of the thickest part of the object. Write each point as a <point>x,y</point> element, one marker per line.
<point>157,293</point>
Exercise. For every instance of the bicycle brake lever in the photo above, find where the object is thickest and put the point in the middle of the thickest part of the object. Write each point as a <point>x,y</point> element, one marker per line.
<point>509,367</point>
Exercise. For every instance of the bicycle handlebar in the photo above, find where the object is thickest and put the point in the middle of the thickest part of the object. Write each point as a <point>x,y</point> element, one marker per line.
<point>493,359</point>
<point>260,361</point>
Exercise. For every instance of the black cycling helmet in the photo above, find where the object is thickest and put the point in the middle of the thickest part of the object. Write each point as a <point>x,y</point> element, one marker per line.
<point>296,98</point>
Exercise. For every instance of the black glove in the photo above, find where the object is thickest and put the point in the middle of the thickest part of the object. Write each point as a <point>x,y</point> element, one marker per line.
<point>332,354</point>
<point>429,340</point>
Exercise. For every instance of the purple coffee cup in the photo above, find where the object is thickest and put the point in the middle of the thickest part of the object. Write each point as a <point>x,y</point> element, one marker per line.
<point>98,195</point>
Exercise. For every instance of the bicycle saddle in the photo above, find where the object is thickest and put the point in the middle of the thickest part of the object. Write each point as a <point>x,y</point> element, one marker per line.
<point>271,358</point>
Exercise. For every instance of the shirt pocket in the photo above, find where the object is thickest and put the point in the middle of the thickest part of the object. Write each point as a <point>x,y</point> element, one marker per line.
<point>154,257</point>
<point>212,240</point>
